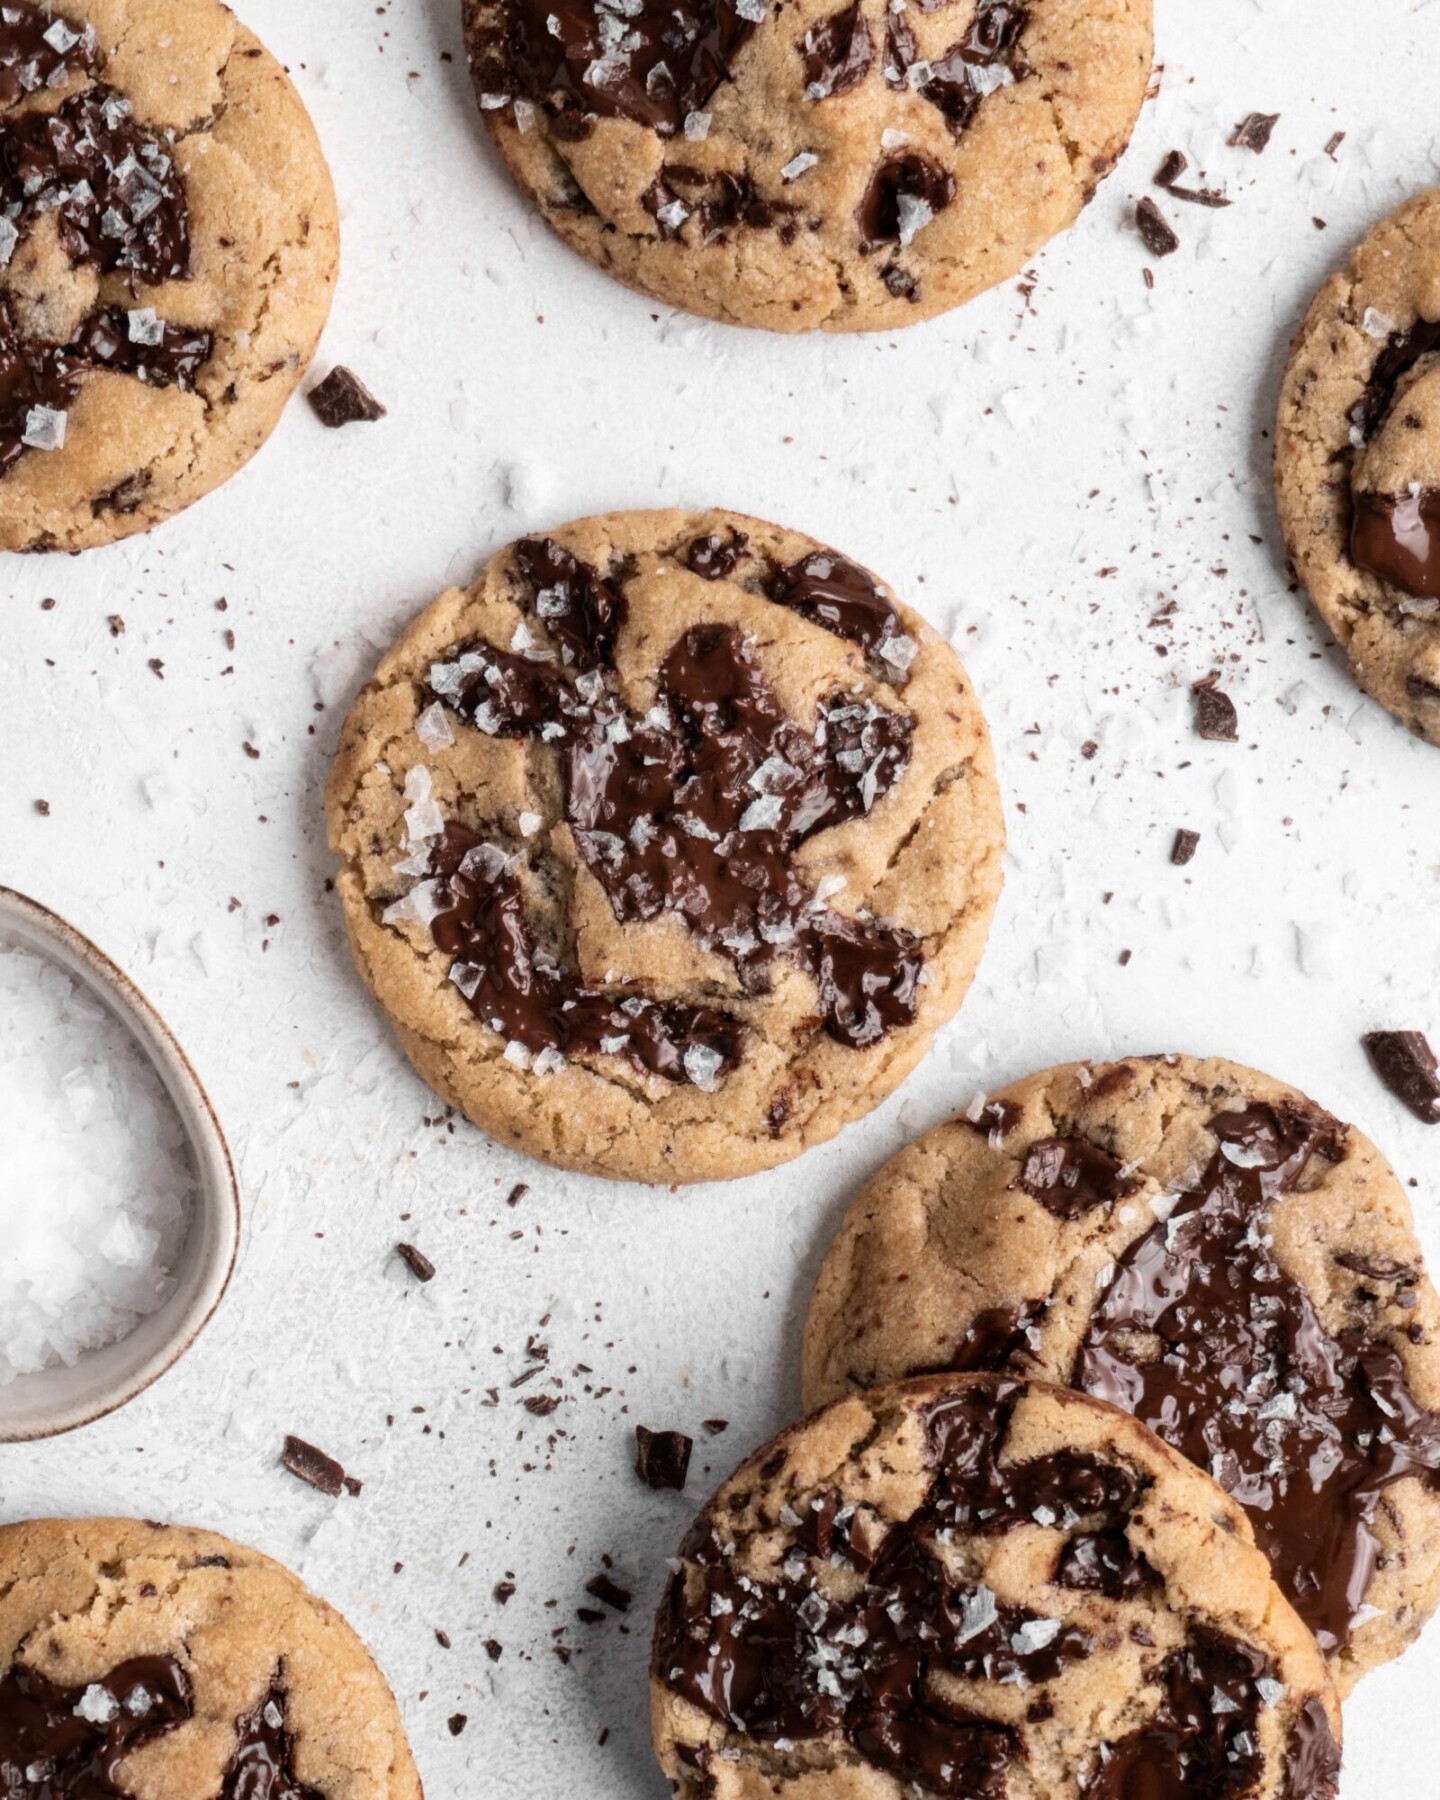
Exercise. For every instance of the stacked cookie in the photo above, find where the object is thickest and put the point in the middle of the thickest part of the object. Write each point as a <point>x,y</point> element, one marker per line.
<point>1127,1464</point>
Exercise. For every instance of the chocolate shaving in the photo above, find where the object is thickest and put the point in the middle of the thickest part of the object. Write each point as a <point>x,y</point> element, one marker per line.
<point>313,1466</point>
<point>342,398</point>
<point>609,1593</point>
<point>1185,846</point>
<point>1253,132</point>
<point>1406,1064</point>
<point>1215,715</point>
<point>416,1261</point>
<point>662,1458</point>
<point>1160,239</point>
<point>1167,177</point>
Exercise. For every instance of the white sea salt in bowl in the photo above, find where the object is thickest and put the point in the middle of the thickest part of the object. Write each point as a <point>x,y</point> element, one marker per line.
<point>102,1289</point>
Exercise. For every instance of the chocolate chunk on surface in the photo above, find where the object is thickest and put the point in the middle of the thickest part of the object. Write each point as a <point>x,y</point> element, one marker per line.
<point>1159,236</point>
<point>1406,1064</point>
<point>866,1624</point>
<point>1254,132</point>
<point>342,398</point>
<point>662,1458</point>
<point>1183,850</point>
<point>1215,714</point>
<point>416,1261</point>
<point>313,1466</point>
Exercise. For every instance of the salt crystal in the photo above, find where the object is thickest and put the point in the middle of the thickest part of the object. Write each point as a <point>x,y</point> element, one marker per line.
<point>96,1176</point>
<point>9,238</point>
<point>97,1705</point>
<point>1376,324</point>
<point>798,164</point>
<point>913,215</point>
<point>433,728</point>
<point>145,326</point>
<point>702,1065</point>
<point>697,126</point>
<point>44,429</point>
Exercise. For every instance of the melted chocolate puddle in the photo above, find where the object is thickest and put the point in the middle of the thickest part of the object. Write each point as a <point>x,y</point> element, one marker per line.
<point>1397,537</point>
<point>1403,350</point>
<point>1305,1430</point>
<point>697,810</point>
<point>959,79</point>
<point>119,206</point>
<point>59,1743</point>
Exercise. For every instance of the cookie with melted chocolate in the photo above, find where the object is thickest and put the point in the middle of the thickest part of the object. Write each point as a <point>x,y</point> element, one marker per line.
<point>168,249</point>
<point>1357,461</point>
<point>1209,1250</point>
<point>140,1659</point>
<point>668,844</point>
<point>981,1587</point>
<point>817,165</point>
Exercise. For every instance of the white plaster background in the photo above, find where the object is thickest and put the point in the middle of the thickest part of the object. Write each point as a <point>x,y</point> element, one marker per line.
<point>991,464</point>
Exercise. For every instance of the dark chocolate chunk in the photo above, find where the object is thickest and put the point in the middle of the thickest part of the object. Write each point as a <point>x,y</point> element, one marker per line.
<point>1215,715</point>
<point>1402,351</point>
<point>904,195</point>
<point>1167,176</point>
<point>1103,1562</point>
<point>43,1727</point>
<point>837,53</point>
<point>998,1118</point>
<point>609,1593</point>
<point>416,1261</point>
<point>1327,1424</point>
<point>39,52</point>
<point>313,1466</point>
<point>1312,1757</point>
<point>714,1427</point>
<point>1377,1268</point>
<point>260,1765</point>
<point>1070,1177</point>
<point>954,80</point>
<point>1253,131</point>
<point>785,1659</point>
<point>1406,1064</point>
<point>1186,844</point>
<point>1160,239</point>
<point>456,1723</point>
<point>1397,537</point>
<point>997,1337</point>
<point>342,398</point>
<point>715,558</point>
<point>662,1458</point>
<point>839,595</point>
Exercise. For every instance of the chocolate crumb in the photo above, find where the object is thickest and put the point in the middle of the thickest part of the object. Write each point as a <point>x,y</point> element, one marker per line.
<point>1215,715</point>
<point>1160,240</point>
<point>1186,844</point>
<point>714,1427</point>
<point>1334,144</point>
<point>43,808</point>
<point>662,1458</point>
<point>343,399</point>
<point>313,1466</point>
<point>116,624</point>
<point>1253,132</point>
<point>457,1723</point>
<point>517,1193</point>
<point>442,1638</point>
<point>1405,1062</point>
<point>609,1593</point>
<point>542,1405</point>
<point>1167,176</point>
<point>416,1261</point>
<point>493,1649</point>
<point>505,1592</point>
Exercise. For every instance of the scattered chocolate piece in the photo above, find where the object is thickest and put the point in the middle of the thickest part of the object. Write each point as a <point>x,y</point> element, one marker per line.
<point>1253,132</point>
<point>43,808</point>
<point>457,1723</point>
<point>1405,1062</point>
<point>416,1261</point>
<point>354,1486</point>
<point>343,399</point>
<point>1334,144</point>
<point>609,1593</point>
<point>713,1427</point>
<point>493,1649</point>
<point>1186,844</point>
<point>313,1466</point>
<point>442,1638</point>
<point>1151,223</point>
<point>1167,176</point>
<point>1215,715</point>
<point>517,1193</point>
<point>662,1458</point>
<point>504,1592</point>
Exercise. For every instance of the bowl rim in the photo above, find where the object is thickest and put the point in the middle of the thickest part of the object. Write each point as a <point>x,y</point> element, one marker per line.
<point>215,1167</point>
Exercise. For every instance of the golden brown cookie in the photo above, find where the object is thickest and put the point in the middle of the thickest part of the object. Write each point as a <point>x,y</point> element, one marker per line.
<point>1207,1248</point>
<point>982,1588</point>
<point>1357,461</point>
<point>168,249</point>
<point>668,845</point>
<point>813,163</point>
<point>169,1664</point>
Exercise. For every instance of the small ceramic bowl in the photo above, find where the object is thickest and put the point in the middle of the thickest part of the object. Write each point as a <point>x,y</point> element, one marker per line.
<point>58,1399</point>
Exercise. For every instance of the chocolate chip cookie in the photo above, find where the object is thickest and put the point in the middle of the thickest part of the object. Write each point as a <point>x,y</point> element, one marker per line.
<point>168,247</point>
<point>1357,461</point>
<point>989,1588</point>
<point>1208,1249</point>
<point>810,163</point>
<point>667,845</point>
<point>155,1661</point>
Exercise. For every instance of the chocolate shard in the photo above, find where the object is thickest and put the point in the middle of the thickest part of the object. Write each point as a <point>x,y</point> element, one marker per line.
<point>609,1593</point>
<point>1215,715</point>
<point>1406,1064</point>
<point>342,398</point>
<point>1186,844</point>
<point>1253,132</point>
<point>313,1466</point>
<point>1167,176</point>
<point>1155,229</point>
<point>416,1261</point>
<point>662,1458</point>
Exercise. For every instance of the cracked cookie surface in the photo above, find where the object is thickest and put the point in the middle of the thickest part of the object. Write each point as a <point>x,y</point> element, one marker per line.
<point>166,1663</point>
<point>982,1587</point>
<point>1357,461</point>
<point>809,164</point>
<point>1207,1248</point>
<point>668,844</point>
<point>168,250</point>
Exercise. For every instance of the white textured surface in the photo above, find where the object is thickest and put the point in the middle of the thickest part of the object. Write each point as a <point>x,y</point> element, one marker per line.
<point>959,460</point>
